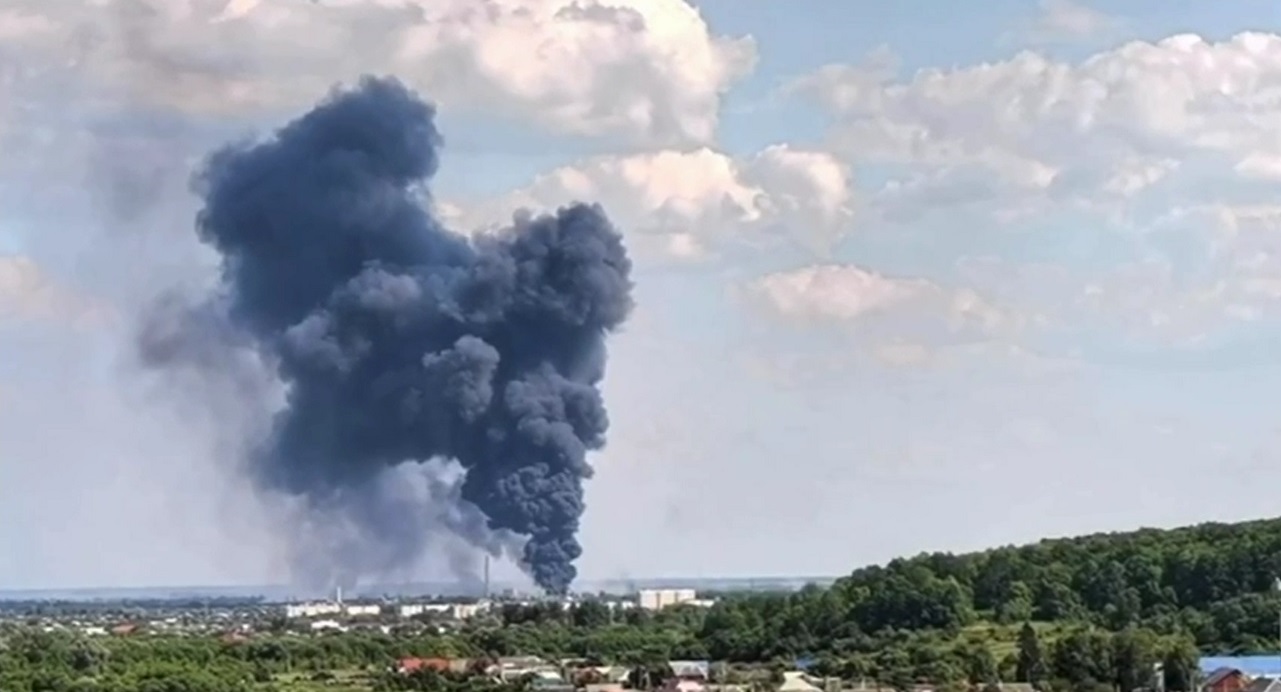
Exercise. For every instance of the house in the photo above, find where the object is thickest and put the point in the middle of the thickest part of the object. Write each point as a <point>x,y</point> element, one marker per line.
<point>1264,684</point>
<point>409,665</point>
<point>549,681</point>
<point>1225,679</point>
<point>796,682</point>
<point>510,668</point>
<point>683,685</point>
<point>597,675</point>
<point>1252,666</point>
<point>690,670</point>
<point>512,662</point>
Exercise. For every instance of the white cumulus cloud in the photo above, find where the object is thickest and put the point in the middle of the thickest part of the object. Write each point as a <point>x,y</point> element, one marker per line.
<point>687,204</point>
<point>842,292</point>
<point>1150,152</point>
<point>902,313</point>
<point>1033,128</point>
<point>649,70</point>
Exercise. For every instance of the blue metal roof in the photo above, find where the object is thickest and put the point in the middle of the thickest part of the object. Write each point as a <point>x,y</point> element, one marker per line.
<point>1254,666</point>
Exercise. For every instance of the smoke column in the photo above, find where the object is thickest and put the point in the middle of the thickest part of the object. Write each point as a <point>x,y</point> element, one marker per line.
<point>399,341</point>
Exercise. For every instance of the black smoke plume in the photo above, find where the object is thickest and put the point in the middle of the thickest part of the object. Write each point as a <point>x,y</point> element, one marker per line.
<point>400,341</point>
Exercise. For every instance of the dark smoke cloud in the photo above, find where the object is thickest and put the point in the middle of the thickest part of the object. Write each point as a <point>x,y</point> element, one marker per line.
<point>400,341</point>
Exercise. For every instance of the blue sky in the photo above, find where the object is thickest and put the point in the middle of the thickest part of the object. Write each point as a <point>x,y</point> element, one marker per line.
<point>911,276</point>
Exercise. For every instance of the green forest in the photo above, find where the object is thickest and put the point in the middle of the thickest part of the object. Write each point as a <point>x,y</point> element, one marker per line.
<point>1090,613</point>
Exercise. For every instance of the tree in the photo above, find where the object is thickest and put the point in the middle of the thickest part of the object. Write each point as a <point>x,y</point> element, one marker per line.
<point>1133,658</point>
<point>1017,605</point>
<point>1179,666</point>
<point>591,614</point>
<point>1032,667</point>
<point>980,666</point>
<point>900,679</point>
<point>1084,658</point>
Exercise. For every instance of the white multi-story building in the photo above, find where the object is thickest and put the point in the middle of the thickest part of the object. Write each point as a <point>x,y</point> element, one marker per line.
<point>657,599</point>
<point>409,610</point>
<point>456,611</point>
<point>356,610</point>
<point>466,611</point>
<point>311,610</point>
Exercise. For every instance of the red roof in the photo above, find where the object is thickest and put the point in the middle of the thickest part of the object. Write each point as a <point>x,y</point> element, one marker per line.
<point>409,665</point>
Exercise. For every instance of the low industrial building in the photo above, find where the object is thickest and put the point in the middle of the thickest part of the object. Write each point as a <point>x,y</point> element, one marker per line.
<point>657,599</point>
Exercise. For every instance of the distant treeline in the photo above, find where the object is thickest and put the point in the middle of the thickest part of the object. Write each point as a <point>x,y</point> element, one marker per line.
<point>71,607</point>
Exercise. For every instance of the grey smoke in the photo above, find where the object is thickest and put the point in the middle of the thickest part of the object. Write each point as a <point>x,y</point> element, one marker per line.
<point>402,343</point>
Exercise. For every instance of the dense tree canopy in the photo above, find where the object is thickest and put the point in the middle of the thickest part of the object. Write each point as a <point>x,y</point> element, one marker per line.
<point>1090,613</point>
<point>1211,582</point>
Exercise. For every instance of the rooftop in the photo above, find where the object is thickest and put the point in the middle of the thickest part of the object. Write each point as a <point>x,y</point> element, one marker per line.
<point>1254,666</point>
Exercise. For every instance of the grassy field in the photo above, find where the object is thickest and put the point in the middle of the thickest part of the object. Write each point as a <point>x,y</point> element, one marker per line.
<point>343,680</point>
<point>1003,640</point>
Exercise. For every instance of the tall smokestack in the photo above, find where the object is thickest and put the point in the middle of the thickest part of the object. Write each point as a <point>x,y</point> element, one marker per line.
<point>486,594</point>
<point>401,342</point>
